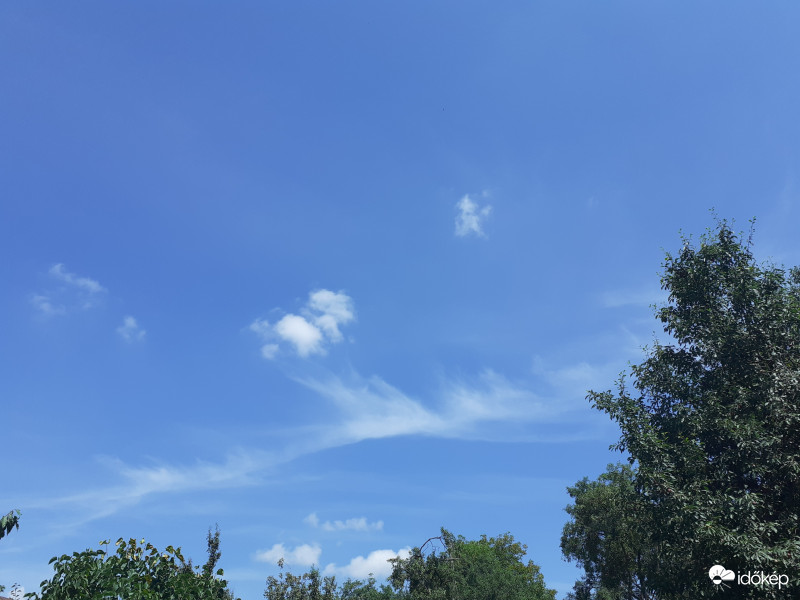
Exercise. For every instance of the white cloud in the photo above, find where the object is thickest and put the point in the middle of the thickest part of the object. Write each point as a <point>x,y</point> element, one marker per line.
<point>323,314</point>
<point>330,310</point>
<point>44,305</point>
<point>305,337</point>
<point>74,292</point>
<point>130,330</point>
<point>372,408</point>
<point>470,219</point>
<point>305,555</point>
<point>84,283</point>
<point>269,351</point>
<point>376,564</point>
<point>355,524</point>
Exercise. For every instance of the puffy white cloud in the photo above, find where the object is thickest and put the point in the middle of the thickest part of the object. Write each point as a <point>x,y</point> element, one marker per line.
<point>469,219</point>
<point>355,524</point>
<point>304,555</point>
<point>305,337</point>
<point>376,564</point>
<point>130,330</point>
<point>323,314</point>
<point>330,310</point>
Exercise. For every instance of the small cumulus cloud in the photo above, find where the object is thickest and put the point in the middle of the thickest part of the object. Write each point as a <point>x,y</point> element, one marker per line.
<point>470,217</point>
<point>130,331</point>
<point>355,524</point>
<point>305,337</point>
<point>376,563</point>
<point>304,555</point>
<point>308,333</point>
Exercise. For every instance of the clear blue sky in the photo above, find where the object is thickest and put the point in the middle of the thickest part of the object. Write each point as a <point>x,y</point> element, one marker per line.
<point>334,275</point>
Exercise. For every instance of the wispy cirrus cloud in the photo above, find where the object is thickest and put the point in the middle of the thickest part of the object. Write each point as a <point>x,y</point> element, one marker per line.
<point>73,291</point>
<point>310,332</point>
<point>372,408</point>
<point>45,305</point>
<point>470,217</point>
<point>130,331</point>
<point>83,283</point>
<point>240,469</point>
<point>354,524</point>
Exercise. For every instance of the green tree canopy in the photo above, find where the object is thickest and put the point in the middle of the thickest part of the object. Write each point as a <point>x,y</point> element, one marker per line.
<point>608,535</point>
<point>135,572</point>
<point>712,421</point>
<point>484,569</point>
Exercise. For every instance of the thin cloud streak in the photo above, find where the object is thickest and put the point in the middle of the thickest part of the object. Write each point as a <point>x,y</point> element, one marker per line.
<point>373,409</point>
<point>89,285</point>
<point>368,409</point>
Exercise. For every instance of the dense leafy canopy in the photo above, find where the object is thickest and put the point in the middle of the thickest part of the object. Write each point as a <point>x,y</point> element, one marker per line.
<point>608,535</point>
<point>713,421</point>
<point>485,569</point>
<point>135,571</point>
<point>312,586</point>
<point>482,569</point>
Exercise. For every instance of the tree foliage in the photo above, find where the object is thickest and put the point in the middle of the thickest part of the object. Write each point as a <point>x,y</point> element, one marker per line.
<point>485,569</point>
<point>712,420</point>
<point>137,571</point>
<point>608,535</point>
<point>312,586</point>
<point>9,522</point>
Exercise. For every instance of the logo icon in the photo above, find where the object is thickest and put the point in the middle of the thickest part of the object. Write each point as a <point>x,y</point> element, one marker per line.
<point>719,575</point>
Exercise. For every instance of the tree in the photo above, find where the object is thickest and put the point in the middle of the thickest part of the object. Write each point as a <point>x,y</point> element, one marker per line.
<point>608,535</point>
<point>135,572</point>
<point>9,522</point>
<point>713,421</point>
<point>484,569</point>
<point>311,586</point>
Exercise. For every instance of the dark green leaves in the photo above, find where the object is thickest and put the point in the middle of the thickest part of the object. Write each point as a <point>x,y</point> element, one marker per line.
<point>135,571</point>
<point>713,420</point>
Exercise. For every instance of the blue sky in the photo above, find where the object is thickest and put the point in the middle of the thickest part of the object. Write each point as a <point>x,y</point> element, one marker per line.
<point>334,275</point>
